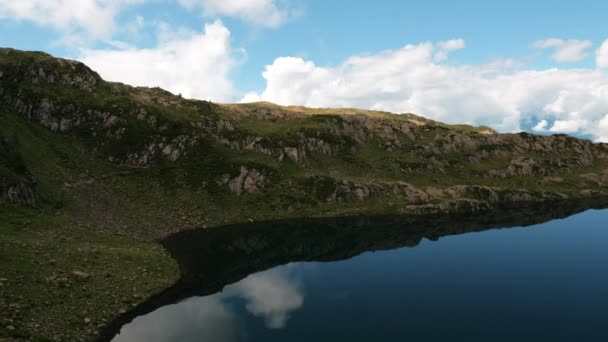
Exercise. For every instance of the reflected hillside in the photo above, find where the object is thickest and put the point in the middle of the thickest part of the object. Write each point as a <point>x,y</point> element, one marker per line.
<point>210,259</point>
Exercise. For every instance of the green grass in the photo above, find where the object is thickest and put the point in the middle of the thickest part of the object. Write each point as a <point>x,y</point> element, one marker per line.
<point>12,166</point>
<point>41,298</point>
<point>52,159</point>
<point>279,127</point>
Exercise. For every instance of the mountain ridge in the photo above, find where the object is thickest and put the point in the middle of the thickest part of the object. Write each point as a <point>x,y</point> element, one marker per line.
<point>297,159</point>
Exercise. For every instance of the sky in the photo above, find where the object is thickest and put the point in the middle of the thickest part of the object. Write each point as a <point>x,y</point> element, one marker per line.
<point>539,66</point>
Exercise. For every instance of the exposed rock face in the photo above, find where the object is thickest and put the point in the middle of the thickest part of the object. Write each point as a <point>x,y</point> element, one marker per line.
<point>248,180</point>
<point>66,73</point>
<point>600,179</point>
<point>494,195</point>
<point>158,146</point>
<point>16,184</point>
<point>461,198</point>
<point>20,193</point>
<point>331,190</point>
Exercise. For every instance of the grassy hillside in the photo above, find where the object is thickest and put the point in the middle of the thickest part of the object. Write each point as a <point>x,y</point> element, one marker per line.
<point>93,172</point>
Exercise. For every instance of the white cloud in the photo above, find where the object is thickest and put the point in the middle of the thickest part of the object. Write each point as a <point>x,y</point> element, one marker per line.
<point>260,12</point>
<point>445,47</point>
<point>601,55</point>
<point>74,18</point>
<point>195,64</point>
<point>571,50</point>
<point>603,124</point>
<point>251,96</point>
<point>541,126</point>
<point>602,128</point>
<point>567,126</point>
<point>409,79</point>
<point>139,20</point>
<point>135,27</point>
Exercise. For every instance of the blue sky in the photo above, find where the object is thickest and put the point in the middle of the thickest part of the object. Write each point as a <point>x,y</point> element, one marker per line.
<point>517,65</point>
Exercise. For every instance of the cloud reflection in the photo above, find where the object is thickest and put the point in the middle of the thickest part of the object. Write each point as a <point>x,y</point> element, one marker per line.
<point>193,320</point>
<point>271,295</point>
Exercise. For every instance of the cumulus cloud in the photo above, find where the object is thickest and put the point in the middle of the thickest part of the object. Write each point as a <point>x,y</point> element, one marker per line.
<point>195,64</point>
<point>603,129</point>
<point>260,12</point>
<point>74,18</point>
<point>601,55</point>
<point>571,50</point>
<point>444,48</point>
<point>541,126</point>
<point>409,79</point>
<point>567,126</point>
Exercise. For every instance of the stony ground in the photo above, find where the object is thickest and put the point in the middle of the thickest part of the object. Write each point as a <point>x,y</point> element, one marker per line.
<point>60,282</point>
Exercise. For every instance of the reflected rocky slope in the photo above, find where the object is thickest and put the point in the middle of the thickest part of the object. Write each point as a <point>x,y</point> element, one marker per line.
<point>210,259</point>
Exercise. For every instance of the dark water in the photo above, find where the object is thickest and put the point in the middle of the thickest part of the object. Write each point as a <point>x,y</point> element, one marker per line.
<point>545,282</point>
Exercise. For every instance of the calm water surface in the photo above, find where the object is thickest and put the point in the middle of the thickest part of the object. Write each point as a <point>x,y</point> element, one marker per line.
<point>545,282</point>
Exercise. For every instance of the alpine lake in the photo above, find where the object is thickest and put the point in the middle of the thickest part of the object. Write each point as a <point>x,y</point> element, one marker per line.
<point>535,273</point>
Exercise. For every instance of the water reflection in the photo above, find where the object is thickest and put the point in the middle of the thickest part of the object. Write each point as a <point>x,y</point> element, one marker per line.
<point>192,320</point>
<point>271,295</point>
<point>209,309</point>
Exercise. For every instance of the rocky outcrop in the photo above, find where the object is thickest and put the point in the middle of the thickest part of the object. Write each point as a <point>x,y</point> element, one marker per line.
<point>493,196</point>
<point>16,183</point>
<point>66,73</point>
<point>130,136</point>
<point>526,166</point>
<point>20,193</point>
<point>248,180</point>
<point>432,200</point>
<point>599,179</point>
<point>332,190</point>
<point>41,68</point>
<point>455,142</point>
